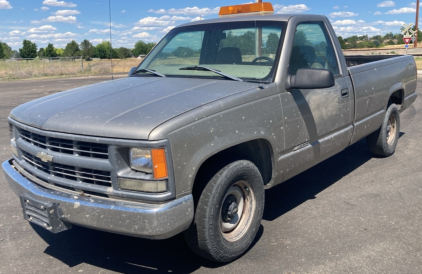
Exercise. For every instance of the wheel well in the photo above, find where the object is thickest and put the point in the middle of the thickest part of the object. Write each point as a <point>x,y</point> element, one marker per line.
<point>257,151</point>
<point>397,97</point>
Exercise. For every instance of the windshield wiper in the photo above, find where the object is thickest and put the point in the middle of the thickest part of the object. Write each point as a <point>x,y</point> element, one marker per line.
<point>150,71</point>
<point>213,70</point>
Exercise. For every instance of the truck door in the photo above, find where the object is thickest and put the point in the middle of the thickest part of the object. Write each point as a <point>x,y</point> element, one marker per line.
<point>317,122</point>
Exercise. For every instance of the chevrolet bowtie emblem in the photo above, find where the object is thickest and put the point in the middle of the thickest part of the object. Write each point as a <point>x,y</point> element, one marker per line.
<point>44,157</point>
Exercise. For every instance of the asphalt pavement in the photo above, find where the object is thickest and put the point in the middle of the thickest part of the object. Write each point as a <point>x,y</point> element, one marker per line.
<point>353,213</point>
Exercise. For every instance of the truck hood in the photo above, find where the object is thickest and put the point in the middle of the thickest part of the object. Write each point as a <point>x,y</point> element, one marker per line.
<point>128,108</point>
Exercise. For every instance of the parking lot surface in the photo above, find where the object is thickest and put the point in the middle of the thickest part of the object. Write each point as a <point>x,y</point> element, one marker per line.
<point>352,213</point>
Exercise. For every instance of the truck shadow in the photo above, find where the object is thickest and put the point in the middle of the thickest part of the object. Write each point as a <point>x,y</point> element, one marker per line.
<point>297,190</point>
<point>126,254</point>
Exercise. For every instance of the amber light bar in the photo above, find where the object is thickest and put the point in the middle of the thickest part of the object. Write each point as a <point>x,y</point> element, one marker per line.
<point>254,8</point>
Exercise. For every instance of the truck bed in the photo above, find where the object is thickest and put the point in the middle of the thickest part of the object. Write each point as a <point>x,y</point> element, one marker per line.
<point>356,60</point>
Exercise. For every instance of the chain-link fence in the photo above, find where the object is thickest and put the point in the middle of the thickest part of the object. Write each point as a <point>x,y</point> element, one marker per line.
<point>24,68</point>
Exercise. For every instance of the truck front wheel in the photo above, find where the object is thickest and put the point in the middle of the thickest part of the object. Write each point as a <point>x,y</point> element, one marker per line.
<point>383,142</point>
<point>228,214</point>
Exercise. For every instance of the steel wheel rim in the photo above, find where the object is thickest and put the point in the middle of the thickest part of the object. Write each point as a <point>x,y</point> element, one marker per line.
<point>391,129</point>
<point>240,222</point>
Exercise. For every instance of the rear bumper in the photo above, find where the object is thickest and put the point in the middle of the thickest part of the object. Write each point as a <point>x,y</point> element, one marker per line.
<point>153,221</point>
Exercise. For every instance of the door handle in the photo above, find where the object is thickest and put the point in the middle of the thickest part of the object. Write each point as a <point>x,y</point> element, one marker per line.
<point>345,92</point>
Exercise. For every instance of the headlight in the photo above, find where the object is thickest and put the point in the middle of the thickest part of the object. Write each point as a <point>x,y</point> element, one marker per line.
<point>13,141</point>
<point>141,160</point>
<point>149,161</point>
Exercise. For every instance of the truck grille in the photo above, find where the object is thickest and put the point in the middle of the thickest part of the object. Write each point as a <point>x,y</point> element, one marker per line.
<point>88,176</point>
<point>85,149</point>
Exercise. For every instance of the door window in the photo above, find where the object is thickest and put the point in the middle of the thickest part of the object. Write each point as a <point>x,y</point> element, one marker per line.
<point>312,48</point>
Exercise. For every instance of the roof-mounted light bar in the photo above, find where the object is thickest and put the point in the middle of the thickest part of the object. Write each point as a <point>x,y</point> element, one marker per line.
<point>254,8</point>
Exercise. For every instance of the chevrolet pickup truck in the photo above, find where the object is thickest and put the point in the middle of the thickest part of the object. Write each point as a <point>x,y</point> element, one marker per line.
<point>217,113</point>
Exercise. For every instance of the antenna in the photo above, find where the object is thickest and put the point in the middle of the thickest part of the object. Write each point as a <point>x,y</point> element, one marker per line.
<point>111,41</point>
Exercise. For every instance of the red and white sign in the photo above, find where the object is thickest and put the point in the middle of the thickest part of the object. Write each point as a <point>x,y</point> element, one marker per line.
<point>407,40</point>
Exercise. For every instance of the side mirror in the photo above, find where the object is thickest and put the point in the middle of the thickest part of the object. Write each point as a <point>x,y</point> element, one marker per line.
<point>132,70</point>
<point>312,78</point>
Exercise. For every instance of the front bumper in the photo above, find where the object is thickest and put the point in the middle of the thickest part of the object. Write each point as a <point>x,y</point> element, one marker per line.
<point>152,221</point>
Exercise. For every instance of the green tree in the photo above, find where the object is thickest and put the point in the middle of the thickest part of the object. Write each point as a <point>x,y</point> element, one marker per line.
<point>104,51</point>
<point>1,52</point>
<point>28,50</point>
<point>342,42</point>
<point>390,42</point>
<point>50,51</point>
<point>124,53</point>
<point>59,51</point>
<point>87,49</point>
<point>142,48</point>
<point>7,51</point>
<point>41,53</point>
<point>71,49</point>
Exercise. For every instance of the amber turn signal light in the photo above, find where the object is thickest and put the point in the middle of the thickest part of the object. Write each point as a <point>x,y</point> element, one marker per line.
<point>159,163</point>
<point>254,8</point>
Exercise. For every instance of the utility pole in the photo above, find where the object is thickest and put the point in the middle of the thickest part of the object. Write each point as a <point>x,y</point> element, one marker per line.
<point>415,44</point>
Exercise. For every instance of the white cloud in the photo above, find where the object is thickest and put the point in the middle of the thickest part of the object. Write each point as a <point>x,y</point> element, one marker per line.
<point>343,14</point>
<point>16,32</point>
<point>194,11</point>
<point>36,9</point>
<point>5,5</point>
<point>344,22</point>
<point>142,35</point>
<point>402,10</point>
<point>155,21</point>
<point>45,8</point>
<point>180,18</point>
<point>197,19</point>
<point>378,13</point>
<point>56,3</point>
<point>145,28</point>
<point>61,19</point>
<point>370,29</point>
<point>336,7</point>
<point>392,23</point>
<point>66,12</point>
<point>291,8</point>
<point>160,11</point>
<point>97,41</point>
<point>386,4</point>
<point>42,29</point>
<point>52,35</point>
<point>123,11</point>
<point>169,28</point>
<point>102,31</point>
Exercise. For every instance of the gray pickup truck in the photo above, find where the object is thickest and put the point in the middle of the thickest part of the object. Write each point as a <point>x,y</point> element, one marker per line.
<point>219,111</point>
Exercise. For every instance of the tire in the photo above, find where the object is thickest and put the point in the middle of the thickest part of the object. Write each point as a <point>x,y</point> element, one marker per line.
<point>383,142</point>
<point>217,233</point>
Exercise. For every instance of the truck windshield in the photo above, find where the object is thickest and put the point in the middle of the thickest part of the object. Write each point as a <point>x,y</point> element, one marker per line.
<point>245,51</point>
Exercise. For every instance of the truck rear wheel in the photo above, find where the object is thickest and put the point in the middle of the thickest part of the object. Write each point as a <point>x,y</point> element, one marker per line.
<point>228,214</point>
<point>383,142</point>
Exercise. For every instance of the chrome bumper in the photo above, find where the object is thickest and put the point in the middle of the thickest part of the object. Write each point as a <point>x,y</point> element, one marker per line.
<point>152,221</point>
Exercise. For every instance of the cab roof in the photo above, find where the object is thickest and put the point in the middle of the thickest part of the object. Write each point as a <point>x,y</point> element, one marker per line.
<point>266,17</point>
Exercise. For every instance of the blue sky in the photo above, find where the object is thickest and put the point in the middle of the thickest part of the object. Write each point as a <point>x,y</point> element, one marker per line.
<point>59,22</point>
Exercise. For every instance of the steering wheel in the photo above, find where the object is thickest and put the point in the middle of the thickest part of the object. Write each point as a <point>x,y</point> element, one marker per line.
<point>263,58</point>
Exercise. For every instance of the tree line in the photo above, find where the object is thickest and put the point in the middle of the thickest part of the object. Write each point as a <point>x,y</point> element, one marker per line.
<point>377,41</point>
<point>85,49</point>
